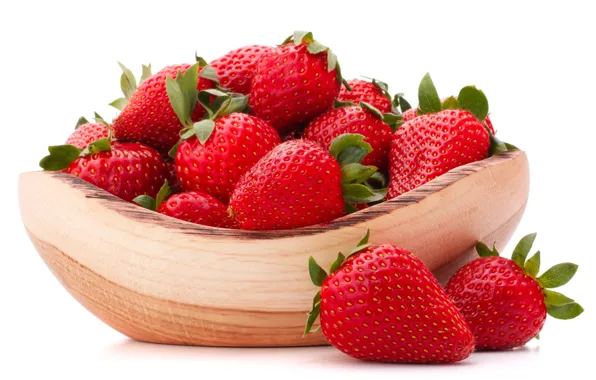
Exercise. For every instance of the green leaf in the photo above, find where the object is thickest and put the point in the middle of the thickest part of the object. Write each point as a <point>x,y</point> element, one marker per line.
<point>188,84</point>
<point>384,87</point>
<point>182,93</point>
<point>337,263</point>
<point>233,104</point>
<point>484,251</point>
<point>316,47</point>
<point>558,275</point>
<point>332,65</point>
<point>203,130</point>
<point>340,103</point>
<point>60,157</point>
<point>312,317</point>
<point>100,119</point>
<point>568,311</point>
<point>356,173</point>
<point>363,241</point>
<point>532,266</point>
<point>208,72</point>
<point>119,103</point>
<point>146,202</point>
<point>401,102</point>
<point>101,145</point>
<point>163,194</point>
<point>392,120</point>
<point>174,149</point>
<point>200,60</point>
<point>301,36</point>
<point>428,98</point>
<point>82,120</point>
<point>349,148</point>
<point>473,100</point>
<point>128,83</point>
<point>450,103</point>
<point>552,298</point>
<point>146,73</point>
<point>357,193</point>
<point>349,208</point>
<point>372,109</point>
<point>317,274</point>
<point>377,181</point>
<point>522,249</point>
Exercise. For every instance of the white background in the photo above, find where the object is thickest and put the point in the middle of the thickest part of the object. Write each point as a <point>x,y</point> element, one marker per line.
<point>535,62</point>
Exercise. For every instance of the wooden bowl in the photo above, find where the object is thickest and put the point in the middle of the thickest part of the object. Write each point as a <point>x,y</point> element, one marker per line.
<point>162,280</point>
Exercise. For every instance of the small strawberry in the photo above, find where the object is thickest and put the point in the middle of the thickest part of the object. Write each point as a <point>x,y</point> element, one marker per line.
<point>409,114</point>
<point>382,303</point>
<point>375,93</point>
<point>148,116</point>
<point>237,68</point>
<point>443,136</point>
<point>215,152</point>
<point>361,119</point>
<point>503,301</point>
<point>295,82</point>
<point>85,132</point>
<point>193,206</point>
<point>126,170</point>
<point>300,184</point>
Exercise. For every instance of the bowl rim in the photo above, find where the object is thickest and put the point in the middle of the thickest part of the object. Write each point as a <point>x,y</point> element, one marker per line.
<point>143,215</point>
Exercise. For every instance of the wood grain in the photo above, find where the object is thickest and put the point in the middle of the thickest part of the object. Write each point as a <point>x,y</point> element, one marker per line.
<point>162,280</point>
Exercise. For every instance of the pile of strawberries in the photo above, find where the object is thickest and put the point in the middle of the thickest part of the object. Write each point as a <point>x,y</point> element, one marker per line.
<point>268,138</point>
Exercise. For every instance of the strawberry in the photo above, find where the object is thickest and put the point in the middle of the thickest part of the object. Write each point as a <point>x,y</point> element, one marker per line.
<point>148,116</point>
<point>362,119</point>
<point>215,152</point>
<point>295,82</point>
<point>85,133</point>
<point>300,184</point>
<point>124,169</point>
<point>443,136</point>
<point>375,93</point>
<point>382,303</point>
<point>409,114</point>
<point>192,206</point>
<point>173,181</point>
<point>128,85</point>
<point>503,301</point>
<point>237,68</point>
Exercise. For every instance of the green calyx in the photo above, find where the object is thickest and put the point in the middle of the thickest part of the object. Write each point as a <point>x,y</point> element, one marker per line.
<point>314,47</point>
<point>63,155</point>
<point>318,276</point>
<point>389,118</point>
<point>357,186</point>
<point>151,203</point>
<point>183,96</point>
<point>82,120</point>
<point>469,99</point>
<point>557,305</point>
<point>128,84</point>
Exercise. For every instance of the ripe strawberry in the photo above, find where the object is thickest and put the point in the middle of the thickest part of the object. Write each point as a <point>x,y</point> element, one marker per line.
<point>192,206</point>
<point>128,85</point>
<point>148,116</point>
<point>295,82</point>
<point>85,133</point>
<point>382,303</point>
<point>126,170</point>
<point>237,68</point>
<point>444,136</point>
<point>300,184</point>
<point>375,93</point>
<point>362,119</point>
<point>503,302</point>
<point>409,114</point>
<point>215,152</point>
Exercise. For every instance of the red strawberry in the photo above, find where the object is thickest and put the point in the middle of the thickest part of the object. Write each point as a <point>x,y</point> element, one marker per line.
<point>383,304</point>
<point>295,82</point>
<point>409,114</point>
<point>375,93</point>
<point>237,68</point>
<point>126,170</point>
<point>489,124</point>
<point>300,184</point>
<point>444,136</point>
<point>362,119</point>
<point>173,181</point>
<point>193,206</point>
<point>503,302</point>
<point>148,116</point>
<point>215,152</point>
<point>86,133</point>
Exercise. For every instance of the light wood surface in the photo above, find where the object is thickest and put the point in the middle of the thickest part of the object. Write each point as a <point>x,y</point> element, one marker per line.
<point>162,280</point>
